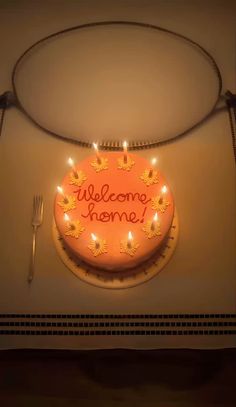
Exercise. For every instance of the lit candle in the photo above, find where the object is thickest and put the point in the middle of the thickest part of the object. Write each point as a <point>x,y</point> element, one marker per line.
<point>72,165</point>
<point>129,241</point>
<point>163,191</point>
<point>94,238</point>
<point>153,162</point>
<point>60,190</point>
<point>95,145</point>
<point>154,221</point>
<point>125,146</point>
<point>69,223</point>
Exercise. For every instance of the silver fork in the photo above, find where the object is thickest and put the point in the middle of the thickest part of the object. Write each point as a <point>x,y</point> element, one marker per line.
<point>37,220</point>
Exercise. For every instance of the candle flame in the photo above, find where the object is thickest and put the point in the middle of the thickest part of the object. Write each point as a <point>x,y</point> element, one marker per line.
<point>66,217</point>
<point>94,237</point>
<point>153,161</point>
<point>125,145</point>
<point>164,189</point>
<point>130,236</point>
<point>95,145</point>
<point>60,190</point>
<point>155,217</point>
<point>71,162</point>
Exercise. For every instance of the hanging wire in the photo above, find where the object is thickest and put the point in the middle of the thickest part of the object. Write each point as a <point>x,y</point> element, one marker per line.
<point>231,106</point>
<point>7,99</point>
<point>2,120</point>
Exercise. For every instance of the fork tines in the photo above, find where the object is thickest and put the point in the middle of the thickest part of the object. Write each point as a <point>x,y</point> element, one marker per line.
<point>38,208</point>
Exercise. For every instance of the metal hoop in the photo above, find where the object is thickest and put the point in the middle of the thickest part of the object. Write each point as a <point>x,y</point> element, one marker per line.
<point>116,145</point>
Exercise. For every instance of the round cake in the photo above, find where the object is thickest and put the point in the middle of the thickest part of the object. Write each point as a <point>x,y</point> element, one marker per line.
<point>113,210</point>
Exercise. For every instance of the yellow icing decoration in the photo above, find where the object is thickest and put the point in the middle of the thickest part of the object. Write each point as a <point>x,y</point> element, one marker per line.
<point>159,203</point>
<point>149,180</point>
<point>151,231</point>
<point>79,180</point>
<point>100,164</point>
<point>67,203</point>
<point>74,229</point>
<point>125,164</point>
<point>130,250</point>
<point>98,247</point>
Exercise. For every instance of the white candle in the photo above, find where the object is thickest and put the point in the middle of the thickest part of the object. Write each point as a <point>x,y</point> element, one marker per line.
<point>67,219</point>
<point>163,191</point>
<point>60,190</point>
<point>125,146</point>
<point>95,145</point>
<point>154,221</point>
<point>72,165</point>
<point>153,163</point>
<point>95,239</point>
<point>129,241</point>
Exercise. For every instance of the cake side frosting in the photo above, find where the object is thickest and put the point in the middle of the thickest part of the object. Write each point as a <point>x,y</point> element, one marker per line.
<point>104,200</point>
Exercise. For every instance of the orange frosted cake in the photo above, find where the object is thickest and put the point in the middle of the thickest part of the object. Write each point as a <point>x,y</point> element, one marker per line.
<point>113,211</point>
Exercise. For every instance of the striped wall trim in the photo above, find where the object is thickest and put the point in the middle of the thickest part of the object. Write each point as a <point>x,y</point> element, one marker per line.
<point>120,324</point>
<point>117,324</point>
<point>119,316</point>
<point>117,332</point>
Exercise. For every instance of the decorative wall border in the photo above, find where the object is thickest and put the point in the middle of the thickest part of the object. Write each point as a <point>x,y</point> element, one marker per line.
<point>120,316</point>
<point>117,324</point>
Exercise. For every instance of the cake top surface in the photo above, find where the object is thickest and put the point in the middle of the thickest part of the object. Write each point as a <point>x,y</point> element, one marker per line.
<point>113,212</point>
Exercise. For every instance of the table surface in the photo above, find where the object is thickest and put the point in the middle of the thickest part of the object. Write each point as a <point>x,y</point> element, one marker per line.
<point>199,279</point>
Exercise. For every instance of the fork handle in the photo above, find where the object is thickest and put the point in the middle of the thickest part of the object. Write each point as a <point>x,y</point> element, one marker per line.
<point>32,259</point>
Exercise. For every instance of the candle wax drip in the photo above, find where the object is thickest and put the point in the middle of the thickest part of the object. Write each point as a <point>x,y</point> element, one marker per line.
<point>128,248</point>
<point>149,180</point>
<point>152,229</point>
<point>68,203</point>
<point>100,164</point>
<point>98,247</point>
<point>77,178</point>
<point>125,163</point>
<point>159,203</point>
<point>74,229</point>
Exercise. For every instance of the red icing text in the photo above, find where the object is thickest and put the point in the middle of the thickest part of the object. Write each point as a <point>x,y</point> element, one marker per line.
<point>104,195</point>
<point>89,194</point>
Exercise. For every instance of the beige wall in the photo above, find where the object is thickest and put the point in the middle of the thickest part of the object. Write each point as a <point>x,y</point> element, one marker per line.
<point>201,277</point>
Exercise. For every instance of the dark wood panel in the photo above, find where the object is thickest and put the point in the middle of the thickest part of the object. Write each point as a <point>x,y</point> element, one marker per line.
<point>118,378</point>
